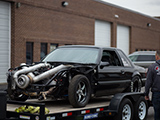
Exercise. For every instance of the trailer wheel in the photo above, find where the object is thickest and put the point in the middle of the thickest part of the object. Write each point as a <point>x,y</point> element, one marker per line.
<point>79,91</point>
<point>125,111</point>
<point>141,109</point>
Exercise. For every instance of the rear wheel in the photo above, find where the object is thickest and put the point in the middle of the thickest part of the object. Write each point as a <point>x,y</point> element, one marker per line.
<point>79,91</point>
<point>125,111</point>
<point>136,84</point>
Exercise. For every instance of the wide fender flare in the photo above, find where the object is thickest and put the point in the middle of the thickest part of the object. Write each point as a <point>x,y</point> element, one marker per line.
<point>118,98</point>
<point>136,73</point>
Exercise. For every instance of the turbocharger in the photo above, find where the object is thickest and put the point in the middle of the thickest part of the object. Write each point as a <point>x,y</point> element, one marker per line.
<point>27,77</point>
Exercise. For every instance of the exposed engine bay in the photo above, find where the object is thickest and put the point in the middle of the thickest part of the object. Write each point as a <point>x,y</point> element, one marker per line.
<point>41,80</point>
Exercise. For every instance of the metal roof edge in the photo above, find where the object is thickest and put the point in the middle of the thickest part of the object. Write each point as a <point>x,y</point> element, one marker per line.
<point>113,5</point>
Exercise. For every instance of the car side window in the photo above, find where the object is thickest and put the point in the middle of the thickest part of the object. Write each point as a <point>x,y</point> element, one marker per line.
<point>124,59</point>
<point>146,58</point>
<point>111,57</point>
<point>133,58</point>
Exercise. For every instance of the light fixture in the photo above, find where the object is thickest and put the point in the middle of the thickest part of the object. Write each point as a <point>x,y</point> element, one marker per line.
<point>18,5</point>
<point>148,24</point>
<point>116,16</point>
<point>64,3</point>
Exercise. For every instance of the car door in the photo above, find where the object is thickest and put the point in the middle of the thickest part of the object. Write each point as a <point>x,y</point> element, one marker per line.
<point>111,78</point>
<point>128,67</point>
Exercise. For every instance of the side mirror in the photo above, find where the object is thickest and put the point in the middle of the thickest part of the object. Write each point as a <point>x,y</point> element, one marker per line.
<point>103,64</point>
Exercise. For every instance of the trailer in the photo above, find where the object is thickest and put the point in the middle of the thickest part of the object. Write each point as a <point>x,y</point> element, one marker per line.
<point>122,106</point>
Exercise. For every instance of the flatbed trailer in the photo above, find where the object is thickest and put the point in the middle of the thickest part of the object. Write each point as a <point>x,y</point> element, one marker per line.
<point>122,106</point>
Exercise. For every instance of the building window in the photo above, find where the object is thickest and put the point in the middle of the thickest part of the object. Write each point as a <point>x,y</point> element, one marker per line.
<point>53,46</point>
<point>43,50</point>
<point>29,52</point>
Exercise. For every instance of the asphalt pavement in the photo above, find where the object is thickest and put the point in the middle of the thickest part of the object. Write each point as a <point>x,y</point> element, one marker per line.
<point>150,114</point>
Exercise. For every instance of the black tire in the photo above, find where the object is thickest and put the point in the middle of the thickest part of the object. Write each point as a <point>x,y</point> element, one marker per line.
<point>140,109</point>
<point>136,84</point>
<point>79,91</point>
<point>125,111</point>
<point>18,97</point>
<point>13,95</point>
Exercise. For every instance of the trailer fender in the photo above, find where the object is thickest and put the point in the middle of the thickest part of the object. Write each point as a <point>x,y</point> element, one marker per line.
<point>117,99</point>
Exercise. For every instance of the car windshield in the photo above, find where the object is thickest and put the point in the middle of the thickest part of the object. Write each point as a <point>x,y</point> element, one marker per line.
<point>73,55</point>
<point>142,58</point>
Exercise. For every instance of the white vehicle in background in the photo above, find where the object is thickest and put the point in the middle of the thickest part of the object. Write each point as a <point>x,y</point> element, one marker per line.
<point>143,58</point>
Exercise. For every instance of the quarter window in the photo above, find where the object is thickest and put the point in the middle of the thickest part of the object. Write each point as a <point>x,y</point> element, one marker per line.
<point>124,59</point>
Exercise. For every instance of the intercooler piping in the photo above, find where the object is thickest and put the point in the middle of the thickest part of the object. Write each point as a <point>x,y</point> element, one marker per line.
<point>24,80</point>
<point>24,71</point>
<point>49,73</point>
<point>29,69</point>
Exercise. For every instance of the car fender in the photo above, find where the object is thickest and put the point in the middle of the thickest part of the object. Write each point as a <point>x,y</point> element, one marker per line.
<point>136,73</point>
<point>118,98</point>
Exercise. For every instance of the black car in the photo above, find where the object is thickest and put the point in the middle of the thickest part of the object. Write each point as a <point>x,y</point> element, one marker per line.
<point>77,73</point>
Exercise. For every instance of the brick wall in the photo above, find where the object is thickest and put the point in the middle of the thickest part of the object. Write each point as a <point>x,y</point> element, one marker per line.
<point>47,21</point>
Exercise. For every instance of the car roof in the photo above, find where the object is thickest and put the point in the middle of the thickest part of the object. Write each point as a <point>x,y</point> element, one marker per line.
<point>87,46</point>
<point>143,53</point>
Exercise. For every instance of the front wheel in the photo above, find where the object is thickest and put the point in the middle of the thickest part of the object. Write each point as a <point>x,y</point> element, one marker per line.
<point>14,95</point>
<point>125,111</point>
<point>79,91</point>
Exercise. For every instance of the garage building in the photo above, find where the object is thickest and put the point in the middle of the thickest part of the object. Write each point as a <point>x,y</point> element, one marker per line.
<point>30,29</point>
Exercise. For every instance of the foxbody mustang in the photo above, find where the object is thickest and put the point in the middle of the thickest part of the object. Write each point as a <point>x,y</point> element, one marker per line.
<point>76,73</point>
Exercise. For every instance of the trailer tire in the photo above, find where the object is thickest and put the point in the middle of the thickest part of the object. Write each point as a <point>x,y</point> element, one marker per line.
<point>140,109</point>
<point>125,111</point>
<point>79,91</point>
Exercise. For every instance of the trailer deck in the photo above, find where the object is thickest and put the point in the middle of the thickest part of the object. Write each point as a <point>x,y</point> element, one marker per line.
<point>60,109</point>
<point>113,107</point>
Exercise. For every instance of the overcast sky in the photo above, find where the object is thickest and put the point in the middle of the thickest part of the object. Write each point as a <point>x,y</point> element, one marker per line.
<point>147,7</point>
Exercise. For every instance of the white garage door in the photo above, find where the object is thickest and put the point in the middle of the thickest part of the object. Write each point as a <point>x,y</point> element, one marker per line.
<point>102,33</point>
<point>4,40</point>
<point>123,38</point>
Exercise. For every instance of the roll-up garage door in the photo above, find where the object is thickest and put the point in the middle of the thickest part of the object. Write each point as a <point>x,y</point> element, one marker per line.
<point>123,38</point>
<point>102,33</point>
<point>4,40</point>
